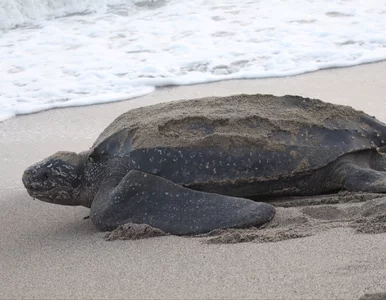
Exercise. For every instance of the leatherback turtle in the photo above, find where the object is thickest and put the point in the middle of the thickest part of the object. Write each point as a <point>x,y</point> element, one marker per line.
<point>188,167</point>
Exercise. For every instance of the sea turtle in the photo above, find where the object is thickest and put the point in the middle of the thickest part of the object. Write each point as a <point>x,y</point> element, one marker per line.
<point>188,167</point>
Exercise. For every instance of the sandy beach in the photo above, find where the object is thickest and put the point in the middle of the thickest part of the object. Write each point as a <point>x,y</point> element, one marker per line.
<point>51,252</point>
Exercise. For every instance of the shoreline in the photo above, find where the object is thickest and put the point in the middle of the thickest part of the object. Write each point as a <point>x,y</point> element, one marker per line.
<point>49,251</point>
<point>161,88</point>
<point>158,88</point>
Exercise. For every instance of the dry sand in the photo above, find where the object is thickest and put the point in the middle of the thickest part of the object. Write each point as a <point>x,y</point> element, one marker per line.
<point>49,251</point>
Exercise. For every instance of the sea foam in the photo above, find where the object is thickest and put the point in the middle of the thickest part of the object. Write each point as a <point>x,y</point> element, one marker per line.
<point>69,53</point>
<point>17,12</point>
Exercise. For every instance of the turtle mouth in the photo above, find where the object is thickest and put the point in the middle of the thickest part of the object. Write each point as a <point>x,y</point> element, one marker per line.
<point>31,186</point>
<point>39,189</point>
<point>43,194</point>
<point>38,192</point>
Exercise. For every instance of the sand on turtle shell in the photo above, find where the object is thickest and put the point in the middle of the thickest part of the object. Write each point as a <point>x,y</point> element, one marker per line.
<point>364,212</point>
<point>242,120</point>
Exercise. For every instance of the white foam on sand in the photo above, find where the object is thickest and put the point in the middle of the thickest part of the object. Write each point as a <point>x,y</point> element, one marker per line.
<point>70,53</point>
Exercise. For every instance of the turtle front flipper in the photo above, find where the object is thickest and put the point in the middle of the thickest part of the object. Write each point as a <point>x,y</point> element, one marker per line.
<point>144,198</point>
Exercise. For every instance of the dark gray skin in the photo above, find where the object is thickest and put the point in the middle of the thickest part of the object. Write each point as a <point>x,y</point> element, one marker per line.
<point>131,196</point>
<point>179,191</point>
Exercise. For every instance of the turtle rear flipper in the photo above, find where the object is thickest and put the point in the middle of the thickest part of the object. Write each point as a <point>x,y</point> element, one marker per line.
<point>143,198</point>
<point>360,179</point>
<point>363,171</point>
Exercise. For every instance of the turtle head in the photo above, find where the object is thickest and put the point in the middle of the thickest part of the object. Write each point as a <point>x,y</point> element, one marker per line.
<point>57,179</point>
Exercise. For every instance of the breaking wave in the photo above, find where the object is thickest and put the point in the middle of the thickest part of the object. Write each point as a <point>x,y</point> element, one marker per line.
<point>17,12</point>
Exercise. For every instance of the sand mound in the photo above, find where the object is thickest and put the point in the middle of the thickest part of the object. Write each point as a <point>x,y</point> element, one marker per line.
<point>132,231</point>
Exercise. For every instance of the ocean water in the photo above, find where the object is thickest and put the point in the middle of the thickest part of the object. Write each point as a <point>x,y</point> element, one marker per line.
<point>60,53</point>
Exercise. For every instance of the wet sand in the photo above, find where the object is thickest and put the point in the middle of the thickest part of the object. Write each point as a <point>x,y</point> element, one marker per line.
<point>49,251</point>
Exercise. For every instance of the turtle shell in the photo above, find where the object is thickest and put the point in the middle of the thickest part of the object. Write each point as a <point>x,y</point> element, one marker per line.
<point>264,136</point>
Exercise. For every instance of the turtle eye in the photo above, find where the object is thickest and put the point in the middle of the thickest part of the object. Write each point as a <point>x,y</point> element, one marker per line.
<point>94,156</point>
